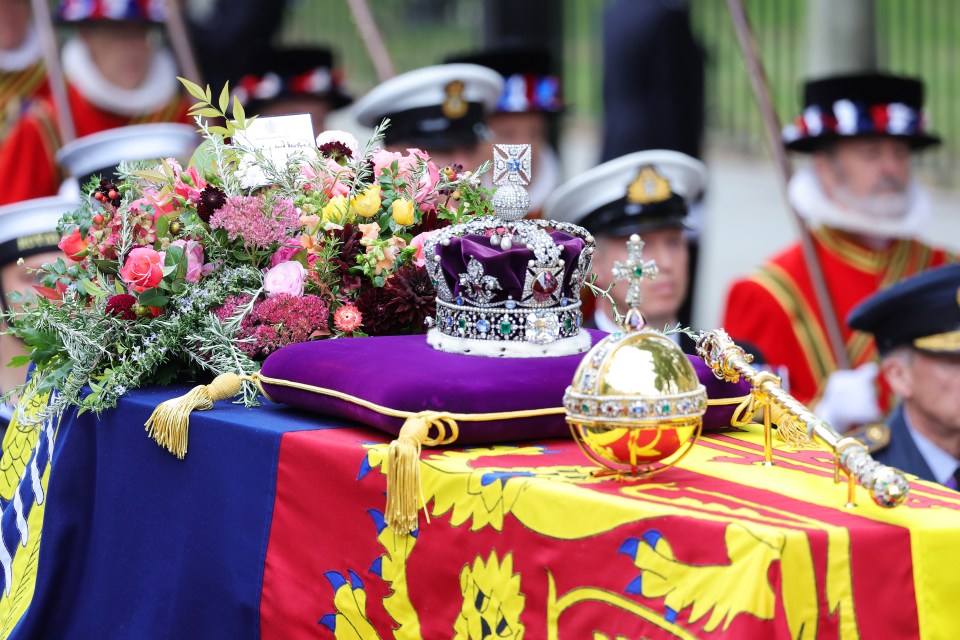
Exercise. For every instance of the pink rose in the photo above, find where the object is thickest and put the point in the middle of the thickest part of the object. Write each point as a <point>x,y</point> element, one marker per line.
<point>194,253</point>
<point>142,270</point>
<point>286,277</point>
<point>426,189</point>
<point>285,254</point>
<point>189,184</point>
<point>382,160</point>
<point>73,245</point>
<point>418,241</point>
<point>161,205</point>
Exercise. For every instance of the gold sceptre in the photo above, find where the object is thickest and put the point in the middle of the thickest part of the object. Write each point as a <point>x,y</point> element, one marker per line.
<point>887,486</point>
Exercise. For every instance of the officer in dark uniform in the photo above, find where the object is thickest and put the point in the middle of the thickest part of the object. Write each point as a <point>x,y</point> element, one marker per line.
<point>916,324</point>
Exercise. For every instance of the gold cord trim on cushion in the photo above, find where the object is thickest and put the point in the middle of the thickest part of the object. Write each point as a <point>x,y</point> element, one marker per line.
<point>170,423</point>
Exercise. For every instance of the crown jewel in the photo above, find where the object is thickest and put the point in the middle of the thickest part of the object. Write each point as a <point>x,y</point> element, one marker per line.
<point>508,287</point>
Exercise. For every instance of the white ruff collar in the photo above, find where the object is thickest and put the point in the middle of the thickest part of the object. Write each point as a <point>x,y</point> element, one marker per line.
<point>26,54</point>
<point>157,89</point>
<point>806,195</point>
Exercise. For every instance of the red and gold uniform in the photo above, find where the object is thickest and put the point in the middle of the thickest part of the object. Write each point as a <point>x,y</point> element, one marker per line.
<point>28,166</point>
<point>18,90</point>
<point>775,309</point>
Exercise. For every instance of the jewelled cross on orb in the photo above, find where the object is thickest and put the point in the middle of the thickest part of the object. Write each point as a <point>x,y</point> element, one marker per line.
<point>512,170</point>
<point>634,271</point>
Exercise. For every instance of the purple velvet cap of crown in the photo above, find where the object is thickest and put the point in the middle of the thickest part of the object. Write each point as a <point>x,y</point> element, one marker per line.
<point>508,266</point>
<point>404,373</point>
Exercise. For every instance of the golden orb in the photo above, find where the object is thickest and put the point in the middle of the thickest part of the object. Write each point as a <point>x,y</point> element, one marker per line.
<point>636,404</point>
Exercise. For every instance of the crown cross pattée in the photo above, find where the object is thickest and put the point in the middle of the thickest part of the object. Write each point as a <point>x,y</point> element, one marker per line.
<point>512,170</point>
<point>635,271</point>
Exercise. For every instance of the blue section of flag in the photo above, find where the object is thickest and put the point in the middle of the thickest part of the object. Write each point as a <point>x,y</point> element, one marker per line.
<point>192,520</point>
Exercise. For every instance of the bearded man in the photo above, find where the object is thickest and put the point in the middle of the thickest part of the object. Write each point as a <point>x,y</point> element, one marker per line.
<point>865,212</point>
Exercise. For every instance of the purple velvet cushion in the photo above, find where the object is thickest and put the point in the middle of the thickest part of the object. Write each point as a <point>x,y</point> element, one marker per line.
<point>406,374</point>
<point>718,415</point>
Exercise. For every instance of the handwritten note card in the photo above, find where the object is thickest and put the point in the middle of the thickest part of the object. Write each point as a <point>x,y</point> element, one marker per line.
<point>278,139</point>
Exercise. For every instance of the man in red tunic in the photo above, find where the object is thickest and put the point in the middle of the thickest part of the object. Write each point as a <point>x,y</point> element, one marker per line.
<point>116,77</point>
<point>23,78</point>
<point>866,212</point>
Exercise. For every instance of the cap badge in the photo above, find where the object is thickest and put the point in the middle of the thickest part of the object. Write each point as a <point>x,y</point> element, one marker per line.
<point>648,187</point>
<point>454,105</point>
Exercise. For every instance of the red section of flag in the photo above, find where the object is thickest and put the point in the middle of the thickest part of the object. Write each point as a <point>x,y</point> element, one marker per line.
<point>328,513</point>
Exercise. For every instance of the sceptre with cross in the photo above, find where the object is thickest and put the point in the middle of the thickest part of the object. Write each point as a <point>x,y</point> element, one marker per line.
<point>635,271</point>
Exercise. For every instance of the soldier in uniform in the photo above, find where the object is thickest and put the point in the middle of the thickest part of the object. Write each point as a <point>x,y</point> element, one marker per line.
<point>646,193</point>
<point>441,110</point>
<point>866,212</point>
<point>527,111</point>
<point>916,326</point>
<point>116,76</point>
<point>294,80</point>
<point>23,77</point>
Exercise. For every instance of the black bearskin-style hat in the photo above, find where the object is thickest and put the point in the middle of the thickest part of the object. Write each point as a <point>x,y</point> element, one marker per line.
<point>293,73</point>
<point>857,105</point>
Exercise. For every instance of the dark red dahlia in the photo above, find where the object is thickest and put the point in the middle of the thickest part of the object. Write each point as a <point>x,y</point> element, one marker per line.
<point>348,243</point>
<point>336,151</point>
<point>211,199</point>
<point>378,319</point>
<point>411,298</point>
<point>367,177</point>
<point>122,306</point>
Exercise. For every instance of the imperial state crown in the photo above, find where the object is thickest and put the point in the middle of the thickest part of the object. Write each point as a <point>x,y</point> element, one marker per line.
<point>509,287</point>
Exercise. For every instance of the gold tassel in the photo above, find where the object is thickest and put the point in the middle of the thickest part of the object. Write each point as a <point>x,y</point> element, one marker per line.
<point>170,421</point>
<point>789,431</point>
<point>403,467</point>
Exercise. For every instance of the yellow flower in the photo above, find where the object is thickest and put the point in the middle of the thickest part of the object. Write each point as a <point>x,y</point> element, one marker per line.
<point>336,210</point>
<point>367,204</point>
<point>402,211</point>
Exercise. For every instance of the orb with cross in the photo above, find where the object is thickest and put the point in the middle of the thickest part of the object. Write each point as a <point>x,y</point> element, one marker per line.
<point>636,404</point>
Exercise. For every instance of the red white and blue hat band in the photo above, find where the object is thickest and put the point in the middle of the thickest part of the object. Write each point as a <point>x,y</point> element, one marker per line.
<point>116,10</point>
<point>319,82</point>
<point>846,119</point>
<point>530,92</point>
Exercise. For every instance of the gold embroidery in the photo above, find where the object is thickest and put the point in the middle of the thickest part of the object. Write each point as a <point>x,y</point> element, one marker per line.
<point>455,105</point>
<point>648,187</point>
